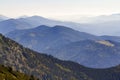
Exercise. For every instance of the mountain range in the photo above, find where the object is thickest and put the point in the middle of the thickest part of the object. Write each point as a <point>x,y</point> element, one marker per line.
<point>69,44</point>
<point>49,40</point>
<point>43,37</point>
<point>107,25</point>
<point>30,22</point>
<point>46,67</point>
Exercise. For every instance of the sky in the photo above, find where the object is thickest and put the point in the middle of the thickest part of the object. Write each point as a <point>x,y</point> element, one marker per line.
<point>58,8</point>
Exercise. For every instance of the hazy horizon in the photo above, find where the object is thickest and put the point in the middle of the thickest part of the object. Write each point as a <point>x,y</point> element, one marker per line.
<point>56,9</point>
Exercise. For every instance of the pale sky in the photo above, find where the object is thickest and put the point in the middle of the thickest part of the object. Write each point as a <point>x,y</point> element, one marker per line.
<point>53,8</point>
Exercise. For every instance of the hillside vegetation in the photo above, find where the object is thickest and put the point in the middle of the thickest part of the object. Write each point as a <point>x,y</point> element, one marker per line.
<point>6,73</point>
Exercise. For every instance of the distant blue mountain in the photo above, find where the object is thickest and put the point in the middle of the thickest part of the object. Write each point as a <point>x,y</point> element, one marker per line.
<point>100,27</point>
<point>31,22</point>
<point>12,24</point>
<point>92,28</point>
<point>38,20</point>
<point>44,37</point>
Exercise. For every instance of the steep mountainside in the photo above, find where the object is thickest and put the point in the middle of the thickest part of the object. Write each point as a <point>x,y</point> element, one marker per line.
<point>48,68</point>
<point>44,37</point>
<point>6,73</point>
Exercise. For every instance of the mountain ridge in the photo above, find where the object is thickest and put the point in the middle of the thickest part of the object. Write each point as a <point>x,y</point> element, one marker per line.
<point>49,36</point>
